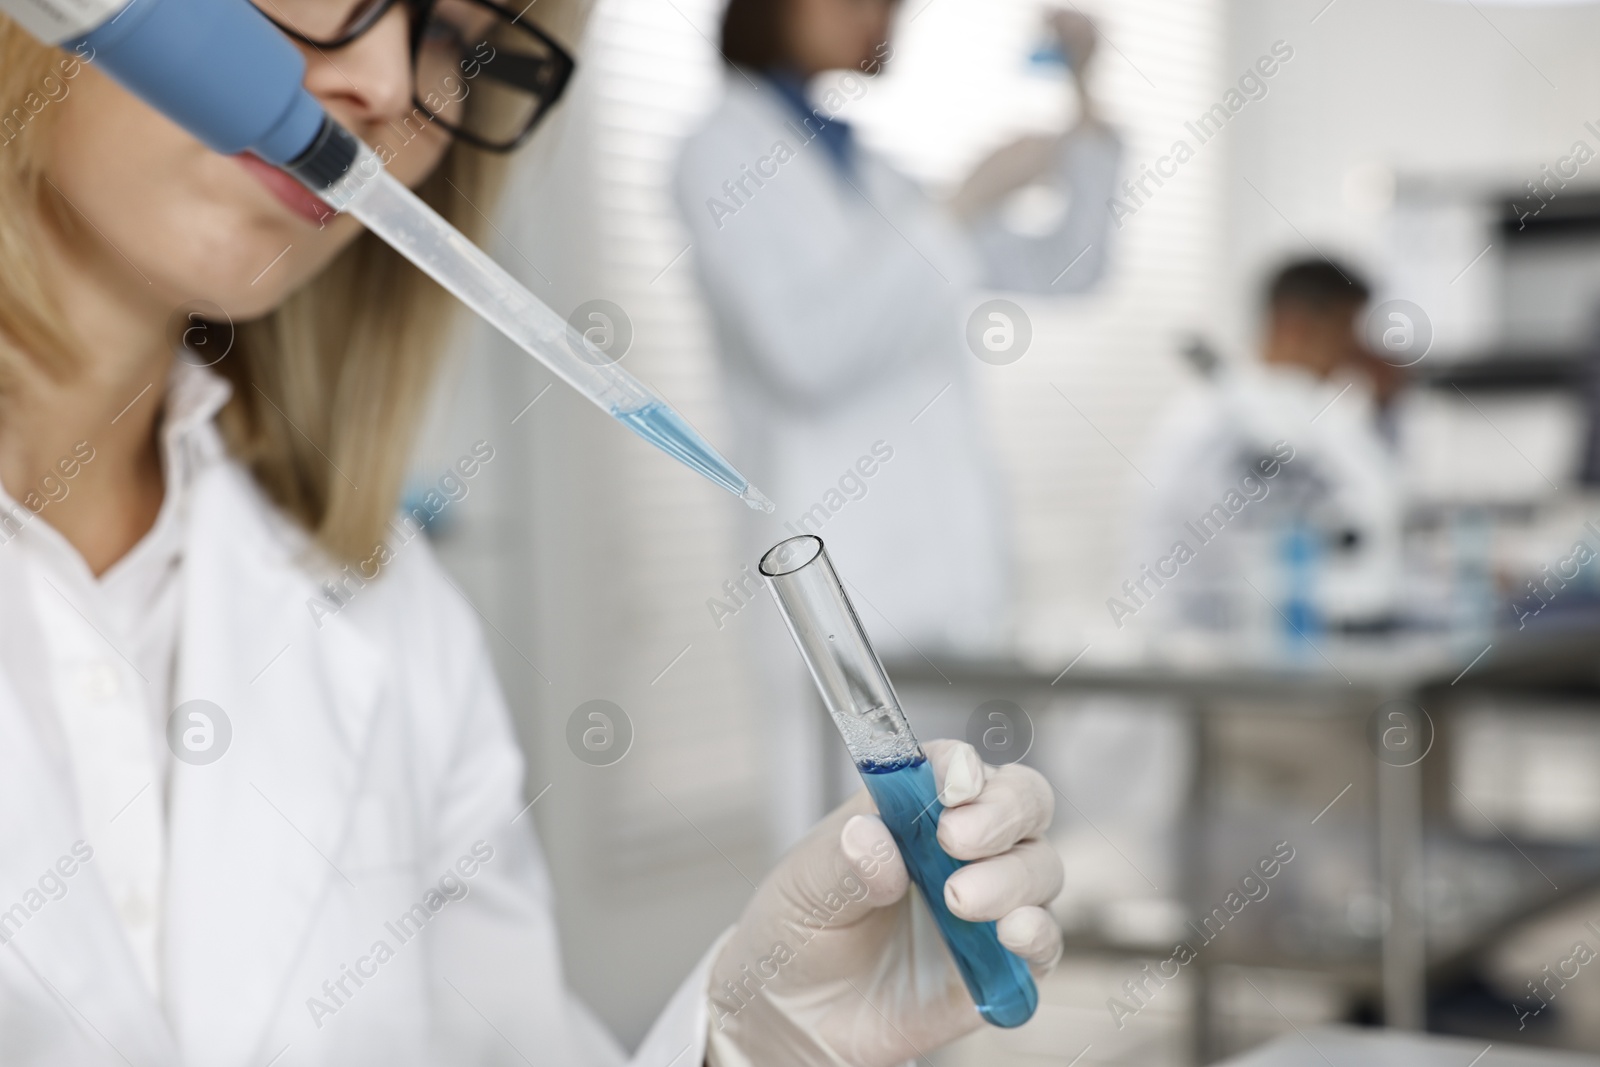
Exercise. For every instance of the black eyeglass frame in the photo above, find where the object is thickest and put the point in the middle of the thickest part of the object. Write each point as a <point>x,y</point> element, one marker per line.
<point>548,97</point>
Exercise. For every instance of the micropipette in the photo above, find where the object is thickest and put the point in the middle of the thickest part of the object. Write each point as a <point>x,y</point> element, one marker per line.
<point>386,207</point>
<point>222,71</point>
<point>892,764</point>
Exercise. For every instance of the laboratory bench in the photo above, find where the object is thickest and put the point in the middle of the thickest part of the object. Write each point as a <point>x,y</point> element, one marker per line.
<point>1347,1047</point>
<point>1404,686</point>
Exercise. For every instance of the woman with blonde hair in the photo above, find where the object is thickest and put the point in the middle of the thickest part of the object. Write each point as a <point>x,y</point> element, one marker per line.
<point>238,832</point>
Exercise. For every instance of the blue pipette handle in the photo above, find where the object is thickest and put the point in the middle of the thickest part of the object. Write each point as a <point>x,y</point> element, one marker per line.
<point>217,68</point>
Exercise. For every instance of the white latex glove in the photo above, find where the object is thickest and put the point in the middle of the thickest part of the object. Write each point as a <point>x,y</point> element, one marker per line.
<point>831,965</point>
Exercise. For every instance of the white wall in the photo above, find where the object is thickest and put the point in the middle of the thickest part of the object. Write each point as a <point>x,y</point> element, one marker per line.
<point>1439,92</point>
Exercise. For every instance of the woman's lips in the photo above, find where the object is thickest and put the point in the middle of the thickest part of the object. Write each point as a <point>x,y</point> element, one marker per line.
<point>290,193</point>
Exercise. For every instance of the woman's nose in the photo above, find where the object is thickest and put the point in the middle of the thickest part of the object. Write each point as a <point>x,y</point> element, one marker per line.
<point>367,82</point>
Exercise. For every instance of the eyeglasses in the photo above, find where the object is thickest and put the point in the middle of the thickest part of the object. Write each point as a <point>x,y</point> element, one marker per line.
<point>477,69</point>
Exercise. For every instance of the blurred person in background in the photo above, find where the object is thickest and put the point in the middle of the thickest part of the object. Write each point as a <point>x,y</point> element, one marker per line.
<point>1317,527</point>
<point>840,292</point>
<point>261,790</point>
<point>1274,511</point>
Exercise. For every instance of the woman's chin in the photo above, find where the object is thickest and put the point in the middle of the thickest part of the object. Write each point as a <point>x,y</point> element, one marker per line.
<point>248,273</point>
<point>227,290</point>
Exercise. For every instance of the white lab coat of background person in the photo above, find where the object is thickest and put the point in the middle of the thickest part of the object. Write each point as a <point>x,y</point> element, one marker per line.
<point>369,756</point>
<point>840,302</point>
<point>1126,762</point>
<point>1343,484</point>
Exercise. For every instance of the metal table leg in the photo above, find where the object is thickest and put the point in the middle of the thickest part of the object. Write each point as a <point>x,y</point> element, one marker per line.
<point>1400,867</point>
<point>1193,854</point>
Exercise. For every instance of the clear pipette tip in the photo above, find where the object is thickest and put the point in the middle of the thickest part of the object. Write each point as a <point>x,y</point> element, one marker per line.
<point>756,499</point>
<point>395,214</point>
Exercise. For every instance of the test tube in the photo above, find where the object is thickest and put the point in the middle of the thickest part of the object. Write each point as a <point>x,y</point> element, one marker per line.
<point>892,764</point>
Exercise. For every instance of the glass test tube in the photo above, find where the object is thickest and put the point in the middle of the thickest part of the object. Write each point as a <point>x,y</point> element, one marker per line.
<point>896,772</point>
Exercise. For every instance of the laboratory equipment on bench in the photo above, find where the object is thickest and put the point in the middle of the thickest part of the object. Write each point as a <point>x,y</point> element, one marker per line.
<point>892,764</point>
<point>222,71</point>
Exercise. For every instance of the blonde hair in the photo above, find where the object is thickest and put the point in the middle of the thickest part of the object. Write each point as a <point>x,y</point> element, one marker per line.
<point>329,387</point>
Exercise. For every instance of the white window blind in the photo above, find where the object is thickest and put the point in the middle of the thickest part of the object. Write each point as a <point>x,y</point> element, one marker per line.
<point>691,797</point>
<point>959,84</point>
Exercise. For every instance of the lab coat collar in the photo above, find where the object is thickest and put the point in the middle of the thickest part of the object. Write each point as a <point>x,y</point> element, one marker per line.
<point>836,135</point>
<point>190,443</point>
<point>194,396</point>
<point>74,947</point>
<point>256,836</point>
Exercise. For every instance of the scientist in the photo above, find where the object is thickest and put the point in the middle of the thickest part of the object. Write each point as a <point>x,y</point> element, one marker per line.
<point>1293,451</point>
<point>238,832</point>
<point>1274,510</point>
<point>840,294</point>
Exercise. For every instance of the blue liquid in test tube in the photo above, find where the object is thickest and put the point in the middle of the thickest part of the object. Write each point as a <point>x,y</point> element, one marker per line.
<point>892,764</point>
<point>998,981</point>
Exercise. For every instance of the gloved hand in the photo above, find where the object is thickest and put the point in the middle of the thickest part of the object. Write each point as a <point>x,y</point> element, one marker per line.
<point>830,964</point>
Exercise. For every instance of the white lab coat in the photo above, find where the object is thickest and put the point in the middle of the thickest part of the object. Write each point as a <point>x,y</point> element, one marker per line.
<point>1347,477</point>
<point>840,306</point>
<point>366,760</point>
